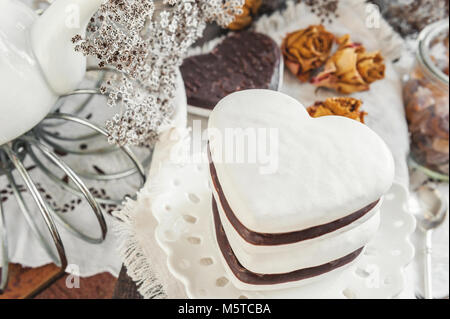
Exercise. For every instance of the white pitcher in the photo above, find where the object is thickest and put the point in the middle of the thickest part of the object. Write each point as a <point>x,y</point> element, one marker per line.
<point>37,60</point>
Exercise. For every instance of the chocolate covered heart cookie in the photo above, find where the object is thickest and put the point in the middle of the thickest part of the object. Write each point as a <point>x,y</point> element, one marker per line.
<point>244,60</point>
<point>317,207</point>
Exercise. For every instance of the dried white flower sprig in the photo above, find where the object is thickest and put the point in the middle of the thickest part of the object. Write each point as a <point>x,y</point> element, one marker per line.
<point>147,46</point>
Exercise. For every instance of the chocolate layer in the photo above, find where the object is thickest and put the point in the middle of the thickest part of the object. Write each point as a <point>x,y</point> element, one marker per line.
<point>243,60</point>
<point>264,239</point>
<point>252,278</point>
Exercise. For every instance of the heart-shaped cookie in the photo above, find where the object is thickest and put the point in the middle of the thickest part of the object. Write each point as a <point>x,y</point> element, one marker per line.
<point>244,60</point>
<point>294,198</point>
<point>314,172</point>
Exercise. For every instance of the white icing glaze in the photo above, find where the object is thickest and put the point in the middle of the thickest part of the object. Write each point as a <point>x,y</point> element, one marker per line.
<point>328,167</point>
<point>305,254</point>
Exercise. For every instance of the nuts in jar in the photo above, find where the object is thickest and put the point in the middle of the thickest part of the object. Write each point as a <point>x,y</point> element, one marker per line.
<point>426,97</point>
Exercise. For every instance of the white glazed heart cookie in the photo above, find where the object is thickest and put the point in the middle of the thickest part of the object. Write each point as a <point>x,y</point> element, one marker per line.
<point>294,198</point>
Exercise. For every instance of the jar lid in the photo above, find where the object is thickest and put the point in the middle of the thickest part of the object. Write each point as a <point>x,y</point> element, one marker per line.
<point>426,40</point>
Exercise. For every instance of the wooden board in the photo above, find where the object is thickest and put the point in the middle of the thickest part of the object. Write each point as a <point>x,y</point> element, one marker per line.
<point>48,282</point>
<point>126,288</point>
<point>27,282</point>
<point>96,287</point>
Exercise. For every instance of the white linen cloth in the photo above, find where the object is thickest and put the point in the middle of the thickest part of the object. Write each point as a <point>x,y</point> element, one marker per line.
<point>145,260</point>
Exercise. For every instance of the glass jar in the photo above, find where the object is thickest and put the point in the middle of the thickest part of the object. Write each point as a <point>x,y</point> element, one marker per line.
<point>426,98</point>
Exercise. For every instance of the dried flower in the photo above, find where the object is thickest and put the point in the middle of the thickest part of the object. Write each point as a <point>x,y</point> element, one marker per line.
<point>351,68</point>
<point>243,20</point>
<point>342,106</point>
<point>147,45</point>
<point>306,50</point>
<point>371,66</point>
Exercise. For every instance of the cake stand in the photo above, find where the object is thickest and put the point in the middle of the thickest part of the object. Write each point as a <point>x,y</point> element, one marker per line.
<point>182,207</point>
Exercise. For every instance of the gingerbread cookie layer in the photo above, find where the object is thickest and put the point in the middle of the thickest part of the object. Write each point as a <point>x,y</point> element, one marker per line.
<point>252,278</point>
<point>266,239</point>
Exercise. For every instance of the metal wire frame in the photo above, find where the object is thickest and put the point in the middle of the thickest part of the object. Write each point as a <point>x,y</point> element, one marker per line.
<point>137,166</point>
<point>12,158</point>
<point>82,189</point>
<point>43,207</point>
<point>4,247</point>
<point>29,219</point>
<point>86,91</point>
<point>49,137</point>
<point>53,139</point>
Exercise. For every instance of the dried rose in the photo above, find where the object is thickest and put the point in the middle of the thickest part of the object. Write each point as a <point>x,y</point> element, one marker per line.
<point>351,68</point>
<point>371,66</point>
<point>306,50</point>
<point>342,106</point>
<point>249,10</point>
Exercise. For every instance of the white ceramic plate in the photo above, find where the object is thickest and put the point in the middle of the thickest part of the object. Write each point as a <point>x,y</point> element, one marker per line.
<point>183,210</point>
